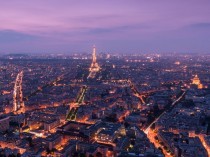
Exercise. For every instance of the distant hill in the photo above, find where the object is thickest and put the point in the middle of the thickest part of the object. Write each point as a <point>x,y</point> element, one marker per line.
<point>15,56</point>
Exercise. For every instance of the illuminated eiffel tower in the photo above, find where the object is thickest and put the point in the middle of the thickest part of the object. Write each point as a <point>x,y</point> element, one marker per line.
<point>94,65</point>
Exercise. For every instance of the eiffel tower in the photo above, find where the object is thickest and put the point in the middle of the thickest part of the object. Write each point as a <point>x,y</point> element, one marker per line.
<point>94,65</point>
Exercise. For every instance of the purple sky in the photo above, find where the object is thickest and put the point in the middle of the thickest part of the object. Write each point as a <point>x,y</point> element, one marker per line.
<point>128,26</point>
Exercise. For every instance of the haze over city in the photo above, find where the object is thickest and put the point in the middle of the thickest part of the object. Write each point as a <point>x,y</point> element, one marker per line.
<point>135,26</point>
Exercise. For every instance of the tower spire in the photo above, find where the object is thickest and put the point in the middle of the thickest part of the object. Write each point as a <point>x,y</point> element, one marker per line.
<point>94,65</point>
<point>94,54</point>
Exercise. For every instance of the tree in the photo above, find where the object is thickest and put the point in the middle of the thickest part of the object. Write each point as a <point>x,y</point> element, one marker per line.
<point>30,141</point>
<point>98,154</point>
<point>112,117</point>
<point>18,155</point>
<point>126,124</point>
<point>82,155</point>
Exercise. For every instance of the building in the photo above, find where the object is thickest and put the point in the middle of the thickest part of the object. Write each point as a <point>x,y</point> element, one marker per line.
<point>51,124</point>
<point>4,123</point>
<point>52,140</point>
<point>196,81</point>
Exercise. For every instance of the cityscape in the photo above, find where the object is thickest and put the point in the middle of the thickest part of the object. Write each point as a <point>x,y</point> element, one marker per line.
<point>104,79</point>
<point>105,105</point>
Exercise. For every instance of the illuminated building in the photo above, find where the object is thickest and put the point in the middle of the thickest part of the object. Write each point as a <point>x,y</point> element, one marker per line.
<point>177,63</point>
<point>196,81</point>
<point>44,120</point>
<point>67,150</point>
<point>108,132</point>
<point>50,124</point>
<point>52,141</point>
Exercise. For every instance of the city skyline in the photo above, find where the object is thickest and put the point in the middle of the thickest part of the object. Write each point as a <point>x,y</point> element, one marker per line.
<point>104,78</point>
<point>114,106</point>
<point>122,27</point>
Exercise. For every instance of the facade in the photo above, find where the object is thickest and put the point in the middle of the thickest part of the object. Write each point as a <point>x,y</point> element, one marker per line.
<point>49,125</point>
<point>4,123</point>
<point>53,140</point>
<point>196,81</point>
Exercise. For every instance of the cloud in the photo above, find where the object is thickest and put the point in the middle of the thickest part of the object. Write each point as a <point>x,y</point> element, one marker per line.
<point>53,24</point>
<point>9,36</point>
<point>201,25</point>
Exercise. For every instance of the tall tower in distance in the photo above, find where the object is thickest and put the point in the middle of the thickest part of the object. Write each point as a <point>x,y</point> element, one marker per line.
<point>94,65</point>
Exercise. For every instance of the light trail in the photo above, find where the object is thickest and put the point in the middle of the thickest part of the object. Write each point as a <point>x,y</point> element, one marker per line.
<point>18,104</point>
<point>177,100</point>
<point>201,137</point>
<point>79,100</point>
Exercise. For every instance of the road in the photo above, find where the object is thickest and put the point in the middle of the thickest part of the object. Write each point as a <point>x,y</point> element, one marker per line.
<point>172,105</point>
<point>17,93</point>
<point>79,100</point>
<point>151,133</point>
<point>51,83</point>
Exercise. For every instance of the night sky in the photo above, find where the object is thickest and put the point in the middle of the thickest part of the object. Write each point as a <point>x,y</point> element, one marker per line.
<point>126,26</point>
